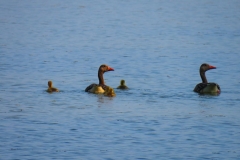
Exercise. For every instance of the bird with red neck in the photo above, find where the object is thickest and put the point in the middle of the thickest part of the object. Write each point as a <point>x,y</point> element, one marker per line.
<point>205,87</point>
<point>92,88</point>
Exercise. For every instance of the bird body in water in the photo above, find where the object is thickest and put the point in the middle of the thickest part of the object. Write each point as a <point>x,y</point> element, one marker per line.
<point>205,86</point>
<point>122,85</point>
<point>96,89</point>
<point>109,92</point>
<point>93,87</point>
<point>51,88</point>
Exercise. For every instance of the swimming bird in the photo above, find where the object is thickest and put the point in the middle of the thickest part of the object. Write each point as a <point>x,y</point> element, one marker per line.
<point>206,87</point>
<point>122,85</point>
<point>102,69</point>
<point>51,88</point>
<point>109,92</point>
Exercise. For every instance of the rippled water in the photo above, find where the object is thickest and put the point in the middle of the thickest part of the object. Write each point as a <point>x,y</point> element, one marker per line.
<point>155,46</point>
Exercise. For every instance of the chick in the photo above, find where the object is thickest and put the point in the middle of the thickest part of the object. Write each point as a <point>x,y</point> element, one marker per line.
<point>109,92</point>
<point>51,88</point>
<point>122,85</point>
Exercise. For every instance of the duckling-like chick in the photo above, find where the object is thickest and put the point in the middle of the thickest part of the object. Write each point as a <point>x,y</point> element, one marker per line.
<point>106,90</point>
<point>122,85</point>
<point>109,92</point>
<point>51,88</point>
<point>97,89</point>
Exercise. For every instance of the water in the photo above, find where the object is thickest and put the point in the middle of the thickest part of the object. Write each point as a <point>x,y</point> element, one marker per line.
<point>155,46</point>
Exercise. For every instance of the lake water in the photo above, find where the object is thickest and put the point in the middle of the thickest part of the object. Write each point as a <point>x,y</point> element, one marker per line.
<point>155,46</point>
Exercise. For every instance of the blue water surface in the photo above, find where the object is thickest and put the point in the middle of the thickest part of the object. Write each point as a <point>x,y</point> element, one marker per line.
<point>155,46</point>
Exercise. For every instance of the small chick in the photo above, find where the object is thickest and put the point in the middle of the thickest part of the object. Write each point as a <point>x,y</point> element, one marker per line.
<point>109,92</point>
<point>106,90</point>
<point>122,85</point>
<point>51,88</point>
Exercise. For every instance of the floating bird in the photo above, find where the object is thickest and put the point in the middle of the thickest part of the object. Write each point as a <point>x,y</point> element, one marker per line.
<point>122,85</point>
<point>102,69</point>
<point>206,87</point>
<point>109,92</point>
<point>51,88</point>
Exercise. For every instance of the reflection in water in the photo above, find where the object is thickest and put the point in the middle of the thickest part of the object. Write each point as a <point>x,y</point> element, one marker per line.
<point>103,100</point>
<point>100,99</point>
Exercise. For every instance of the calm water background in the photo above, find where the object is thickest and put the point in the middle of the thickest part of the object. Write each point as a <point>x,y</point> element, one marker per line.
<point>156,46</point>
